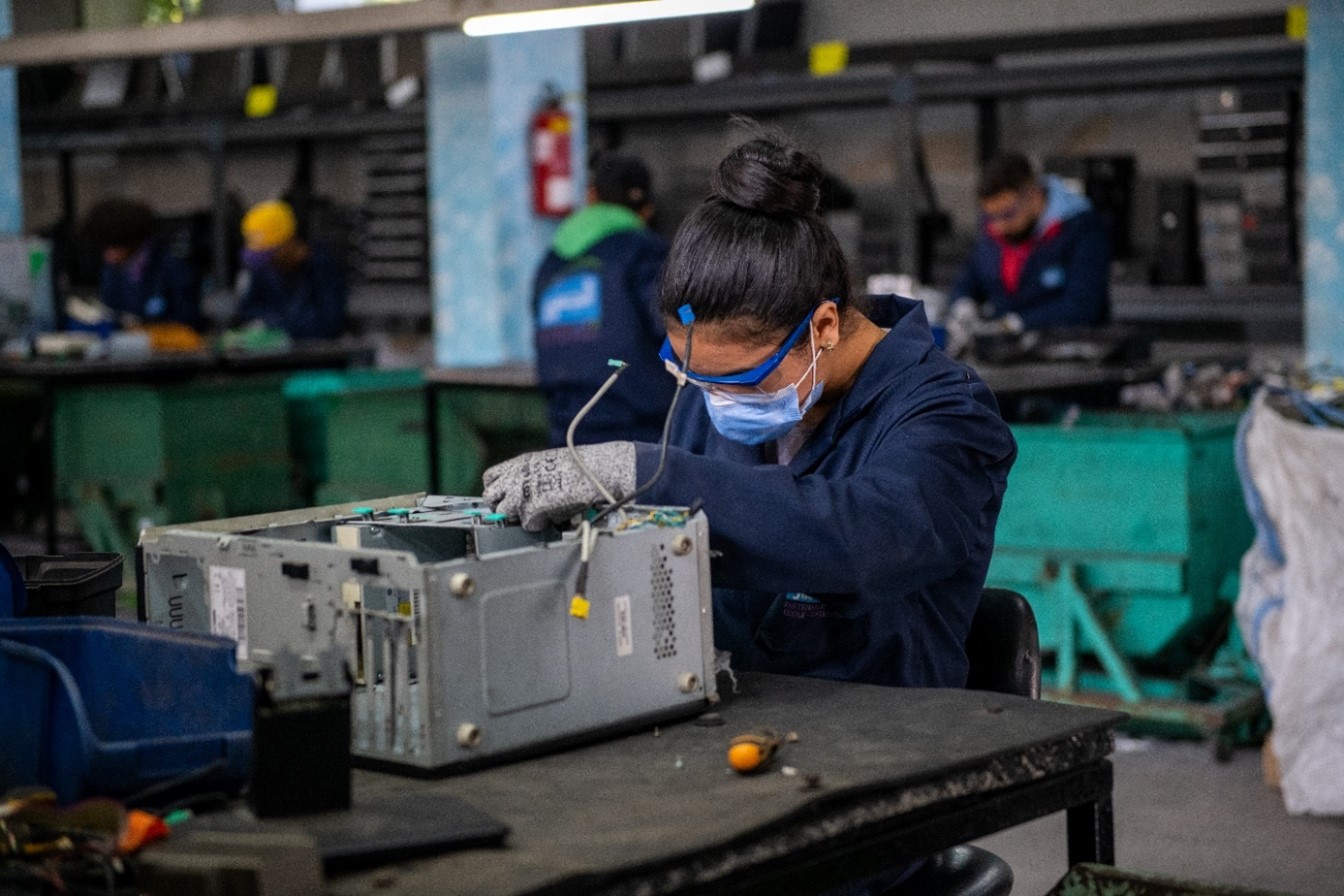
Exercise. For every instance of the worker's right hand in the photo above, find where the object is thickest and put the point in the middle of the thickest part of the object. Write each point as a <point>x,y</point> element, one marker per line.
<point>548,486</point>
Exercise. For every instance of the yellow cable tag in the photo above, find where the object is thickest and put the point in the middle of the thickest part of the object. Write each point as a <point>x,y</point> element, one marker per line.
<point>578,607</point>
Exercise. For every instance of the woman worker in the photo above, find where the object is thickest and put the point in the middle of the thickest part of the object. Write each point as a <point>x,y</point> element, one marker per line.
<point>852,474</point>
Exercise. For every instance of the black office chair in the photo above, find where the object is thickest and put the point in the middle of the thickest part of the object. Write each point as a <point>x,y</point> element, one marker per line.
<point>1003,647</point>
<point>1005,656</point>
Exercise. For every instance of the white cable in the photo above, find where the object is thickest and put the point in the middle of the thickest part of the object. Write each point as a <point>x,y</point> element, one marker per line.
<point>574,425</point>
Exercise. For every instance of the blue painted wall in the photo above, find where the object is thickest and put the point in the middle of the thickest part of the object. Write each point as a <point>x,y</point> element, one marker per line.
<point>11,172</point>
<point>1323,267</point>
<point>486,242</point>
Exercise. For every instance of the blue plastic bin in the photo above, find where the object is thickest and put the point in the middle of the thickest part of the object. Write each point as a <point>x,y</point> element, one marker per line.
<point>92,706</point>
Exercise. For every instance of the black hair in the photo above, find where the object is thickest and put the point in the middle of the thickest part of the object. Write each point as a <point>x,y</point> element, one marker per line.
<point>623,180</point>
<point>756,253</point>
<point>1010,171</point>
<point>119,223</point>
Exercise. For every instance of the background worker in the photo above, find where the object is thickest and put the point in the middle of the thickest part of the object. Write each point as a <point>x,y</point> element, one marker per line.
<point>852,474</point>
<point>291,285</point>
<point>141,279</point>
<point>1042,260</point>
<point>594,299</point>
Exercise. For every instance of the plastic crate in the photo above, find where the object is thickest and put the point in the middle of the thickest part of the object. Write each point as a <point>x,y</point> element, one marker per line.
<point>71,584</point>
<point>109,707</point>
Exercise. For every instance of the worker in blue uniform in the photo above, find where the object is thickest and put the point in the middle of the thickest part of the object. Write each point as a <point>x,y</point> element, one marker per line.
<point>852,473</point>
<point>1042,260</point>
<point>291,285</point>
<point>594,299</point>
<point>141,279</point>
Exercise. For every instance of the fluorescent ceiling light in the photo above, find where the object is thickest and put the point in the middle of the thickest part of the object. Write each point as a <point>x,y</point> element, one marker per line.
<point>599,14</point>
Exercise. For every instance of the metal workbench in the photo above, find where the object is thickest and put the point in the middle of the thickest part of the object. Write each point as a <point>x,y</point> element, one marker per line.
<point>883,776</point>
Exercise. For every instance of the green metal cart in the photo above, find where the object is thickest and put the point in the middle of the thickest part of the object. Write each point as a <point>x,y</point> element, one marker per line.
<point>1125,531</point>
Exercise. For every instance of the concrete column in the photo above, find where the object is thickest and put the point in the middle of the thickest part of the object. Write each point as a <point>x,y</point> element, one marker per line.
<point>485,241</point>
<point>11,174</point>
<point>1323,266</point>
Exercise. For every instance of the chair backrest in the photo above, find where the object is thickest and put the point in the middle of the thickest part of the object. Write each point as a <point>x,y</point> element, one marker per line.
<point>1003,647</point>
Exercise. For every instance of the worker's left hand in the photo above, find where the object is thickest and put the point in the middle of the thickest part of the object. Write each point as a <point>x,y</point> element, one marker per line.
<point>548,486</point>
<point>962,319</point>
<point>1011,324</point>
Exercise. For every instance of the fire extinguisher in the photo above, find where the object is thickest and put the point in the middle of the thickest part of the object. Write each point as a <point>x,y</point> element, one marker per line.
<point>552,169</point>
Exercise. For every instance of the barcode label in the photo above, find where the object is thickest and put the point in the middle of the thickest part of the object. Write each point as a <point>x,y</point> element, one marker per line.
<point>625,639</point>
<point>228,605</point>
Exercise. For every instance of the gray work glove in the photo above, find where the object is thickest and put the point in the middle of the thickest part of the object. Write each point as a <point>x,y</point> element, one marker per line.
<point>547,486</point>
<point>960,326</point>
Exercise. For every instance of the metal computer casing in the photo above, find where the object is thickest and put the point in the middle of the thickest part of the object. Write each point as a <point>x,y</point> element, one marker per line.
<point>459,631</point>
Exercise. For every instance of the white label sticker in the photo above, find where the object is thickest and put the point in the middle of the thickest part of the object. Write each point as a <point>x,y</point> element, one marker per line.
<point>625,639</point>
<point>228,605</point>
<point>559,192</point>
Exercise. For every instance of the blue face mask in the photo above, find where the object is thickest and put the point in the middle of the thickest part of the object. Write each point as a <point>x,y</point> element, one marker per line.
<point>753,419</point>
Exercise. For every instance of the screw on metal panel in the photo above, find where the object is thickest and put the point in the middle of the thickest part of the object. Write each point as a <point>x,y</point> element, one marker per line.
<point>688,682</point>
<point>682,544</point>
<point>462,585</point>
<point>469,735</point>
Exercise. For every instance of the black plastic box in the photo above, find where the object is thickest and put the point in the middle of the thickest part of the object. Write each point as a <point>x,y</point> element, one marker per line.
<point>71,584</point>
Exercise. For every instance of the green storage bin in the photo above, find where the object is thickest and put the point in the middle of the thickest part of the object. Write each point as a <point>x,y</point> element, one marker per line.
<point>362,434</point>
<point>174,453</point>
<point>1145,509</point>
<point>358,434</point>
<point>481,425</point>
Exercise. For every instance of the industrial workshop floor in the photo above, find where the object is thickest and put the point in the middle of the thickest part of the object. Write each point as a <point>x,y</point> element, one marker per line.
<point>1181,814</point>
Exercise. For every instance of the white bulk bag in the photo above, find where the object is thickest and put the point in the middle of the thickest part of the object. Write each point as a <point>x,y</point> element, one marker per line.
<point>1291,604</point>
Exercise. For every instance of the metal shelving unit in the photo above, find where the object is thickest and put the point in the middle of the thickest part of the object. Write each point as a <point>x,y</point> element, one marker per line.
<point>984,72</point>
<point>1209,52</point>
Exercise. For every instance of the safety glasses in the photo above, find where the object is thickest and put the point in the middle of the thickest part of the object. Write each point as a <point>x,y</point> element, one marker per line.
<point>752,377</point>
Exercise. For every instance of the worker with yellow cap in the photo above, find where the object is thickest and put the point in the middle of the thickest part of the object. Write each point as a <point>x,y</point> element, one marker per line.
<point>291,285</point>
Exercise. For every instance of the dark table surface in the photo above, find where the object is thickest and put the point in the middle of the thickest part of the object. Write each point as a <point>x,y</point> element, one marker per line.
<point>1044,377</point>
<point>660,811</point>
<point>513,376</point>
<point>168,365</point>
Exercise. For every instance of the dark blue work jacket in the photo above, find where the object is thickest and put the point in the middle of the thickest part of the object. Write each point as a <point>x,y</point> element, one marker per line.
<point>863,559</point>
<point>1064,281</point>
<point>166,289</point>
<point>592,308</point>
<point>307,303</point>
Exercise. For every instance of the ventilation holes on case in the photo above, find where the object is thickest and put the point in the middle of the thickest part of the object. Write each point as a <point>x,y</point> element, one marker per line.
<point>664,620</point>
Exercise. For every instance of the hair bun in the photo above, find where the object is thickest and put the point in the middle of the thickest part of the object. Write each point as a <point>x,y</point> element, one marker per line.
<point>766,176</point>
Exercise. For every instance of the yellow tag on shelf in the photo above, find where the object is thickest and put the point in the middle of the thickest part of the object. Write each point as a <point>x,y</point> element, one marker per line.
<point>828,58</point>
<point>260,100</point>
<point>578,607</point>
<point>1295,22</point>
